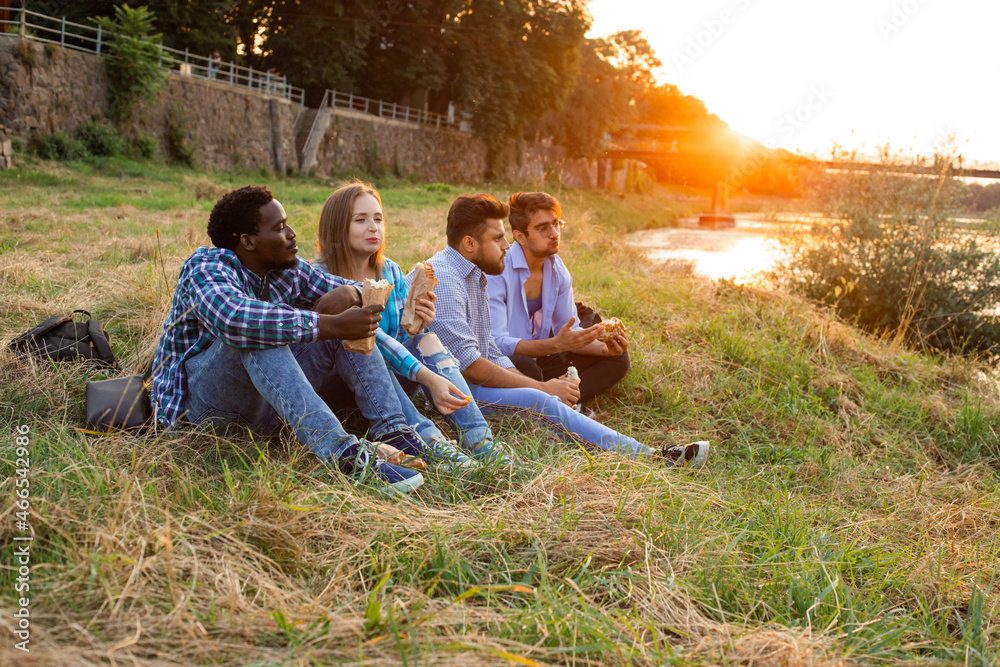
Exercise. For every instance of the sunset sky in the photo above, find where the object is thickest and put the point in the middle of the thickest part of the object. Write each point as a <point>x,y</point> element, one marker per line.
<point>856,72</point>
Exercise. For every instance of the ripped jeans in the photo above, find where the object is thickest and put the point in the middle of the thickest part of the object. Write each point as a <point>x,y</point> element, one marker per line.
<point>468,423</point>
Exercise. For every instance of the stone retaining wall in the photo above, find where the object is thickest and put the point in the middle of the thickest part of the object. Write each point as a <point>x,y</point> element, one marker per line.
<point>355,140</point>
<point>6,149</point>
<point>44,89</point>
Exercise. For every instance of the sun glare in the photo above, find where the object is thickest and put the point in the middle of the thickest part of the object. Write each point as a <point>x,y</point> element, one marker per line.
<point>808,76</point>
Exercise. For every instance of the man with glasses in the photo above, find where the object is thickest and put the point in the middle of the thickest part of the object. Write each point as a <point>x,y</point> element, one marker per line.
<point>534,317</point>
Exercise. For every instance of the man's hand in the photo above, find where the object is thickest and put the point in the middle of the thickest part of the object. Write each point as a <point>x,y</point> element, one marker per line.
<point>446,397</point>
<point>617,345</point>
<point>565,391</point>
<point>570,340</point>
<point>352,324</point>
<point>424,308</point>
<point>338,300</point>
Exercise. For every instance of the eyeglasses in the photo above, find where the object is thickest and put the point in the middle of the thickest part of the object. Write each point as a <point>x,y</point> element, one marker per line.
<point>549,227</point>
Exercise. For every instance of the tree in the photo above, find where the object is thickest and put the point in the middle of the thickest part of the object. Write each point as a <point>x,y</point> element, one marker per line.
<point>201,27</point>
<point>312,42</point>
<point>132,63</point>
<point>598,105</point>
<point>517,60</point>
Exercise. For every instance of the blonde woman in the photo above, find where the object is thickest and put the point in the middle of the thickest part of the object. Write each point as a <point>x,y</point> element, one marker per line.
<point>352,237</point>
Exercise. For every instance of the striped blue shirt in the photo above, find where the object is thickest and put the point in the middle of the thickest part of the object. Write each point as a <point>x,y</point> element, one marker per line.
<point>217,298</point>
<point>463,310</point>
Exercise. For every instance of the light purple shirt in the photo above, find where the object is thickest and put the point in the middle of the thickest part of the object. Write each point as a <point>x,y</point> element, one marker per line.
<point>509,307</point>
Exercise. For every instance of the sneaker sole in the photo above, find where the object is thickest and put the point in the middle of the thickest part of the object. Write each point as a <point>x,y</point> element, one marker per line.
<point>407,485</point>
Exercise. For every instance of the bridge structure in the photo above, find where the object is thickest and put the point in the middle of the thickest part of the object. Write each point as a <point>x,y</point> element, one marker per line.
<point>666,147</point>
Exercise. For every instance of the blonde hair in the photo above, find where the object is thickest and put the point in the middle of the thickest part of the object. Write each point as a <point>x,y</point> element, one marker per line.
<point>334,226</point>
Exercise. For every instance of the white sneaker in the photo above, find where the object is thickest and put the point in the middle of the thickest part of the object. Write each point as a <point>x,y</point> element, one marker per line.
<point>692,456</point>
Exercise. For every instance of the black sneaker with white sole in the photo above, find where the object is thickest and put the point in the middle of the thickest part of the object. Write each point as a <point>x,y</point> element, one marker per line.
<point>360,462</point>
<point>691,456</point>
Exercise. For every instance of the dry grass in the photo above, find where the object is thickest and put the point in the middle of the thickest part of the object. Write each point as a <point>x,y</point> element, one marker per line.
<point>849,514</point>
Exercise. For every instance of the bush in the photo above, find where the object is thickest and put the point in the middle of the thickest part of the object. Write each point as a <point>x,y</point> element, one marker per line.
<point>893,260</point>
<point>59,146</point>
<point>101,139</point>
<point>179,141</point>
<point>146,147</point>
<point>27,53</point>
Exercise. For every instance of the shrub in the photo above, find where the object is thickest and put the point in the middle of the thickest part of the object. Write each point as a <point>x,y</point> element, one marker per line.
<point>101,139</point>
<point>27,53</point>
<point>133,61</point>
<point>179,141</point>
<point>893,260</point>
<point>146,147</point>
<point>59,146</point>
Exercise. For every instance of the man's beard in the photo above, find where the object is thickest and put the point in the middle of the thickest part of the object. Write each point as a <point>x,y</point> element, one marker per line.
<point>490,269</point>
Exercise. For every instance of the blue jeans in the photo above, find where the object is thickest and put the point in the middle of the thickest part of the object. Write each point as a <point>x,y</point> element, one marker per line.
<point>261,389</point>
<point>553,413</point>
<point>468,423</point>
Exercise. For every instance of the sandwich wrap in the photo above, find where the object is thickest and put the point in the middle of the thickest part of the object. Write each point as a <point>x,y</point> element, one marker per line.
<point>423,283</point>
<point>372,292</point>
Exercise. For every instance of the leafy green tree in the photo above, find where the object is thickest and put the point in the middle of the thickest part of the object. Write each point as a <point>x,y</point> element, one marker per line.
<point>406,51</point>
<point>133,62</point>
<point>615,71</point>
<point>313,42</point>
<point>516,61</point>
<point>200,26</point>
<point>597,105</point>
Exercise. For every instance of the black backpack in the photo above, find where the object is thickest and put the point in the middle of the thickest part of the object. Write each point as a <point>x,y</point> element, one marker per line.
<point>61,338</point>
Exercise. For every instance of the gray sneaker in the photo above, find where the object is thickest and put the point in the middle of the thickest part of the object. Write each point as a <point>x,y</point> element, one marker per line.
<point>447,454</point>
<point>493,452</point>
<point>691,456</point>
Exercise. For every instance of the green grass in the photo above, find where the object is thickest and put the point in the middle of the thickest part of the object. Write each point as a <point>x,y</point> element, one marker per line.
<point>849,512</point>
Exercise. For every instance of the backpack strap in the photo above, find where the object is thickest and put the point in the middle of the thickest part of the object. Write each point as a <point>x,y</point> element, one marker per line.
<point>100,341</point>
<point>85,312</point>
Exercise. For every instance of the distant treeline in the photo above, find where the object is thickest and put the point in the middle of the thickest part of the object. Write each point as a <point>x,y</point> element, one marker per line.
<point>522,68</point>
<point>982,198</point>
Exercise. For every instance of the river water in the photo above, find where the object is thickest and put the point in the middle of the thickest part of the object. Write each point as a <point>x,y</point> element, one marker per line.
<point>739,253</point>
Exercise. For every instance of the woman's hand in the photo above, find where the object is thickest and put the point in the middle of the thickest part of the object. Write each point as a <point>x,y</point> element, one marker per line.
<point>424,308</point>
<point>446,397</point>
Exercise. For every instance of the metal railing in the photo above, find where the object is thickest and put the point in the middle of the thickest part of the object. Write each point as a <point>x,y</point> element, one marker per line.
<point>382,109</point>
<point>93,39</point>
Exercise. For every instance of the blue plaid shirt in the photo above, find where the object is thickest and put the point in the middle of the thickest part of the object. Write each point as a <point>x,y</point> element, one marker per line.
<point>463,310</point>
<point>217,298</point>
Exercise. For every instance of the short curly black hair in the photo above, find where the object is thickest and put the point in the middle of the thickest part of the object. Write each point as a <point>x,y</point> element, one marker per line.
<point>237,213</point>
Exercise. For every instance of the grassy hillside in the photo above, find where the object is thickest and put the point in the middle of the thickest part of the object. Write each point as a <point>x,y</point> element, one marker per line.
<point>849,513</point>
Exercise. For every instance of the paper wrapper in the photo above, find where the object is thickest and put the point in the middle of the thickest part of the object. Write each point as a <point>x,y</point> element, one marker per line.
<point>398,458</point>
<point>572,375</point>
<point>423,282</point>
<point>371,293</point>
